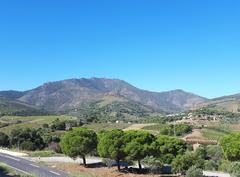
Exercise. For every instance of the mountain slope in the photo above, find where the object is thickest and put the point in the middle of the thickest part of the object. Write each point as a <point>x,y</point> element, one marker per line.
<point>9,107</point>
<point>227,103</point>
<point>73,93</point>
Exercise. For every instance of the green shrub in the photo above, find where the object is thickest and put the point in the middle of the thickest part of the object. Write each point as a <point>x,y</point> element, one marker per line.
<point>210,165</point>
<point>4,140</point>
<point>194,172</point>
<point>28,146</point>
<point>234,169</point>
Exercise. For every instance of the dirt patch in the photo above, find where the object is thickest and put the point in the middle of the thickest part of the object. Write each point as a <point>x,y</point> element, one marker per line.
<point>80,171</point>
<point>137,126</point>
<point>13,153</point>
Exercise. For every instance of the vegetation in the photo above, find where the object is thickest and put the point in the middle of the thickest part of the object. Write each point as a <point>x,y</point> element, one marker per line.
<point>78,143</point>
<point>27,139</point>
<point>22,122</point>
<point>111,145</point>
<point>222,114</point>
<point>138,145</point>
<point>194,172</point>
<point>14,108</point>
<point>230,144</point>
<point>176,130</point>
<point>4,140</point>
<point>182,163</point>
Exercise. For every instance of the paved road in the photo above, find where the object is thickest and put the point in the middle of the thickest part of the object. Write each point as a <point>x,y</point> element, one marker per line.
<point>24,165</point>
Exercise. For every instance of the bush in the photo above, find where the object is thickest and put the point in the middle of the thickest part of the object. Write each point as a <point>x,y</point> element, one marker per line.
<point>58,125</point>
<point>224,165</point>
<point>210,165</point>
<point>180,129</point>
<point>167,158</point>
<point>155,165</point>
<point>194,172</point>
<point>4,140</point>
<point>55,147</point>
<point>25,136</point>
<point>230,145</point>
<point>28,145</point>
<point>182,163</point>
<point>214,152</point>
<point>234,169</point>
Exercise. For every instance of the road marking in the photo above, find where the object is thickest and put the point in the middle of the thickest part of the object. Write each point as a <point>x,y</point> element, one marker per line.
<point>55,173</point>
<point>34,165</point>
<point>12,158</point>
<point>19,170</point>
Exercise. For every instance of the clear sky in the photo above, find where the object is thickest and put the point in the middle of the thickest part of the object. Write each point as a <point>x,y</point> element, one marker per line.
<point>156,45</point>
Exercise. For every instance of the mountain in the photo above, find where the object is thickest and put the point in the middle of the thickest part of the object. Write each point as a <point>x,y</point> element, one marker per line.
<point>227,103</point>
<point>11,94</point>
<point>74,93</point>
<point>10,107</point>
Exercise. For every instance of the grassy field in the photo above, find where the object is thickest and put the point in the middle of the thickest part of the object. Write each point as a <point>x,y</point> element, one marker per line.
<point>30,121</point>
<point>212,134</point>
<point>217,131</point>
<point>106,126</point>
<point>7,171</point>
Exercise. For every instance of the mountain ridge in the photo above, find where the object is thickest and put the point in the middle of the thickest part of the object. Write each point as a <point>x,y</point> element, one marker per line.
<point>72,93</point>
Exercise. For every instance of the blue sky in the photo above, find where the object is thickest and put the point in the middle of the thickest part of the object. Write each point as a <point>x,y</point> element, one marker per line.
<point>156,45</point>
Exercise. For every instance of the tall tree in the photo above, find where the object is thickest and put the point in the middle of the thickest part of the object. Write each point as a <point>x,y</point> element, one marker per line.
<point>138,145</point>
<point>111,145</point>
<point>78,143</point>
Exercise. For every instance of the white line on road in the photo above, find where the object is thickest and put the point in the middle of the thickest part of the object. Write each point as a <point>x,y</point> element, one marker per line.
<point>55,173</point>
<point>12,158</point>
<point>20,170</point>
<point>34,165</point>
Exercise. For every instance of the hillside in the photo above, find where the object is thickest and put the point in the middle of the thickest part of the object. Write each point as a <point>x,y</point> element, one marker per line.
<point>74,93</point>
<point>227,103</point>
<point>8,107</point>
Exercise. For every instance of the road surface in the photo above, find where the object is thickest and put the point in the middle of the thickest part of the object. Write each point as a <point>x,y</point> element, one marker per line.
<point>30,167</point>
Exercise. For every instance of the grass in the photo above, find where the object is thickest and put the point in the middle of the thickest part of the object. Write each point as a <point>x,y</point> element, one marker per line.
<point>30,121</point>
<point>216,132</point>
<point>7,171</point>
<point>43,154</point>
<point>106,126</point>
<point>156,127</point>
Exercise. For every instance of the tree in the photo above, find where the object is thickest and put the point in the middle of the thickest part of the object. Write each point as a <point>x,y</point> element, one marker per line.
<point>58,125</point>
<point>231,146</point>
<point>168,145</point>
<point>4,140</point>
<point>138,145</point>
<point>194,172</point>
<point>78,143</point>
<point>19,136</point>
<point>201,152</point>
<point>111,145</point>
<point>183,162</point>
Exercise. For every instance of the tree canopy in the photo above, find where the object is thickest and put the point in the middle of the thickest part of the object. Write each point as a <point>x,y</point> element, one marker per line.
<point>111,145</point>
<point>138,145</point>
<point>78,143</point>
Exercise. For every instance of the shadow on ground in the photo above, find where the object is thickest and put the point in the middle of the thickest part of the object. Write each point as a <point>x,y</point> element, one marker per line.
<point>4,174</point>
